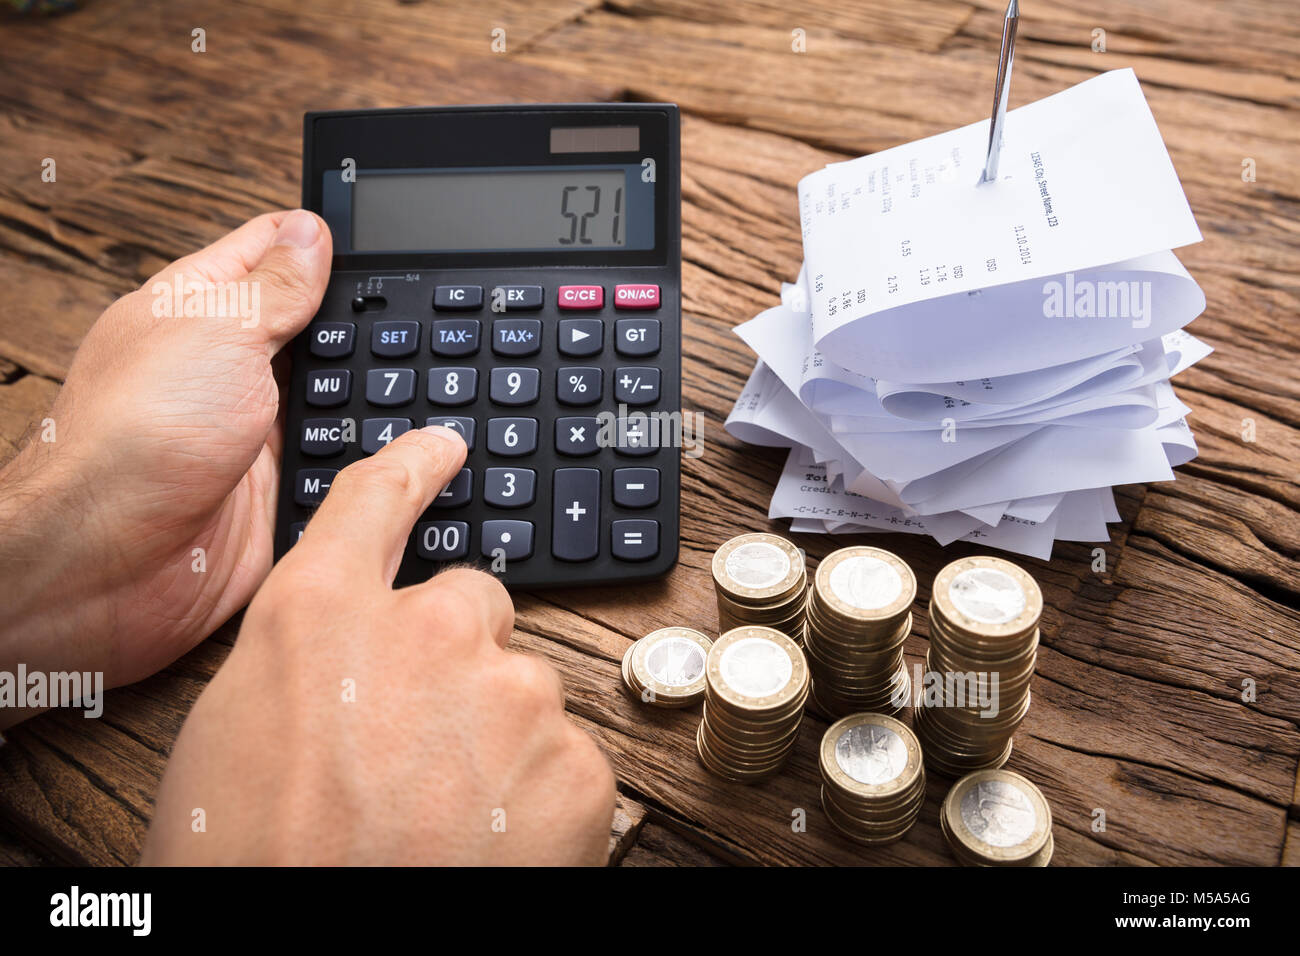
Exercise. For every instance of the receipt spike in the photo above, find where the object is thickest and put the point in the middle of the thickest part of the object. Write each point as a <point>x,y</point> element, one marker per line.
<point>1001,89</point>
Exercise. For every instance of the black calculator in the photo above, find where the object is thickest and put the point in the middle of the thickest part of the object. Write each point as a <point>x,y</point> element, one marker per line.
<point>514,273</point>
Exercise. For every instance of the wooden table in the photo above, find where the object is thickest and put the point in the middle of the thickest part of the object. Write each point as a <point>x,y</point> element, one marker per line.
<point>1138,707</point>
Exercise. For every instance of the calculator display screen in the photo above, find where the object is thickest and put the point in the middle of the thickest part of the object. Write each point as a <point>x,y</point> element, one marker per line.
<point>496,209</point>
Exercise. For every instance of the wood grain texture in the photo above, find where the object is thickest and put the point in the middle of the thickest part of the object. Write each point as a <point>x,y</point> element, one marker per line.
<point>1139,707</point>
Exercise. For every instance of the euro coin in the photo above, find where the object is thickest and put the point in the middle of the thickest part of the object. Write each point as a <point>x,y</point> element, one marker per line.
<point>997,818</point>
<point>666,667</point>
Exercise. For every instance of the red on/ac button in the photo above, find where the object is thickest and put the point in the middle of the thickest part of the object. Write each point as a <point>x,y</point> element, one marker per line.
<point>581,296</point>
<point>636,297</point>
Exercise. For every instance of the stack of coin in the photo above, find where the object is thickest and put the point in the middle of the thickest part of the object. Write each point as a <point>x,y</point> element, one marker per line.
<point>873,781</point>
<point>666,667</point>
<point>997,818</point>
<point>984,615</point>
<point>859,616</point>
<point>760,579</point>
<point>757,682</point>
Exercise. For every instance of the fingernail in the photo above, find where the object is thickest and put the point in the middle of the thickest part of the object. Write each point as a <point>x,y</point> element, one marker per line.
<point>445,433</point>
<point>300,228</point>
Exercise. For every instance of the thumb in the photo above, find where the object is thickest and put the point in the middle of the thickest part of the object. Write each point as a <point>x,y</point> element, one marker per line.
<point>286,284</point>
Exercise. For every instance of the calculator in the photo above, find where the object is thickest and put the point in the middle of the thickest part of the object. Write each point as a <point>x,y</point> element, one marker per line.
<point>514,273</point>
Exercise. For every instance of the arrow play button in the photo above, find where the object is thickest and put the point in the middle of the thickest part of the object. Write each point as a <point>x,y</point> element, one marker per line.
<point>581,336</point>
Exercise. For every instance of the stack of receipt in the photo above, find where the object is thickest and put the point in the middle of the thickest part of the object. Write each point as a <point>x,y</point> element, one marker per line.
<point>983,362</point>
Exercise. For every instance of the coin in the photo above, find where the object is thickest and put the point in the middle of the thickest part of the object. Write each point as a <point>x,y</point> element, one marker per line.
<point>666,667</point>
<point>873,777</point>
<point>753,568</point>
<point>984,614</point>
<point>865,584</point>
<point>756,685</point>
<point>997,818</point>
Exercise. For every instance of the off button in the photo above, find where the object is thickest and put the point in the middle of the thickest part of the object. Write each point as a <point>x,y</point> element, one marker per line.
<point>580,297</point>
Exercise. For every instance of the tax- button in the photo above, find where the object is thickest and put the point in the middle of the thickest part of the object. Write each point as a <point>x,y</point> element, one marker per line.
<point>517,336</point>
<point>580,297</point>
<point>452,338</point>
<point>636,336</point>
<point>322,437</point>
<point>332,339</point>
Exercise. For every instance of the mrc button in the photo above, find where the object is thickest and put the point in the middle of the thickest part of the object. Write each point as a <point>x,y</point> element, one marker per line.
<point>636,296</point>
<point>580,297</point>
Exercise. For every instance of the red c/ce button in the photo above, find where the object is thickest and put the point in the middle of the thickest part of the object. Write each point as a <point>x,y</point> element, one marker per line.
<point>581,296</point>
<point>636,296</point>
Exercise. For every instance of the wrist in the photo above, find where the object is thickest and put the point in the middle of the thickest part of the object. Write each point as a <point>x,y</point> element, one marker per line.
<point>52,592</point>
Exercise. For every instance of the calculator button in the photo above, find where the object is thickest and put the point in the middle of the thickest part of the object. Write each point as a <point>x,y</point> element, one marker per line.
<point>636,487</point>
<point>331,340</point>
<point>458,491</point>
<point>378,432</point>
<point>636,336</point>
<point>453,386</point>
<point>509,487</point>
<point>322,437</point>
<point>636,436</point>
<point>575,514</point>
<point>442,540</point>
<point>516,298</point>
<point>311,484</point>
<point>512,540</point>
<point>580,297</point>
<point>512,437</point>
<point>328,388</point>
<point>576,436</point>
<point>463,425</point>
<point>581,337</point>
<point>578,386</point>
<point>395,339</point>
<point>388,387</point>
<point>514,386</point>
<point>636,385</point>
<point>517,336</point>
<point>636,297</point>
<point>452,338</point>
<point>457,298</point>
<point>635,539</point>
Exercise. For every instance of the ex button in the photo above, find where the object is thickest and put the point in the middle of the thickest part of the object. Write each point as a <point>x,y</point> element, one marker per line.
<point>516,298</point>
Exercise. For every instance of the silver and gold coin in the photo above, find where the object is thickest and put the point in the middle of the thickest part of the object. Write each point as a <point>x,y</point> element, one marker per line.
<point>873,777</point>
<point>756,684</point>
<point>859,617</point>
<point>666,667</point>
<point>997,818</point>
<point>984,614</point>
<point>760,579</point>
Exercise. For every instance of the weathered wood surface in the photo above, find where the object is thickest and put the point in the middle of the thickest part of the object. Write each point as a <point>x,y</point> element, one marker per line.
<point>1138,708</point>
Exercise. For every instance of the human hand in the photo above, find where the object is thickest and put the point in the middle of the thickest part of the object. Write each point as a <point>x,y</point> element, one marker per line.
<point>147,521</point>
<point>355,724</point>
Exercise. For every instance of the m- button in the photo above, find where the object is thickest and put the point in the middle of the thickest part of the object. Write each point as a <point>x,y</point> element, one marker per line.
<point>580,297</point>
